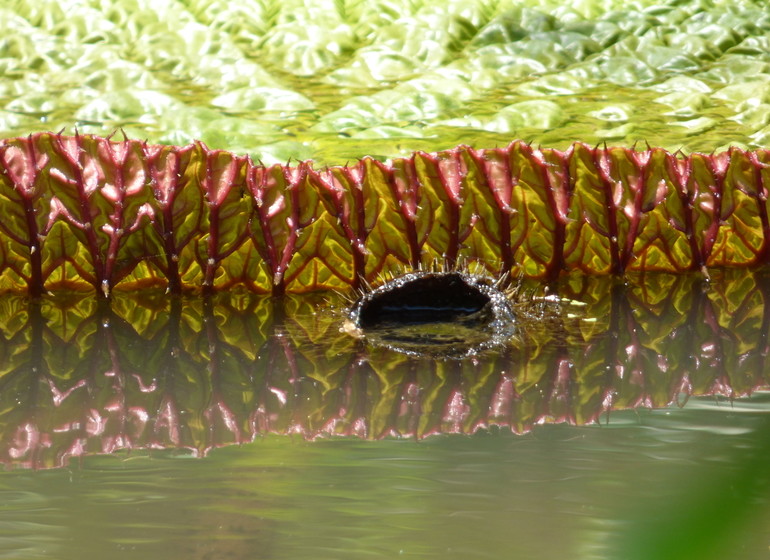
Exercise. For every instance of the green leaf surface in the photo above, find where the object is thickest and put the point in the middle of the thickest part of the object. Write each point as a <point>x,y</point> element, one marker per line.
<point>335,82</point>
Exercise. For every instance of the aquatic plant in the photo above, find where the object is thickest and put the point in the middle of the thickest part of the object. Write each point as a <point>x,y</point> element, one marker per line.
<point>84,211</point>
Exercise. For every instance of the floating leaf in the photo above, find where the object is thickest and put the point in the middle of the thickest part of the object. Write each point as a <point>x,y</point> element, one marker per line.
<point>90,210</point>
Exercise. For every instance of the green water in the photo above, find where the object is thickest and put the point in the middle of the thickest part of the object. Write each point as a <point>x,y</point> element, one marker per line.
<point>676,483</point>
<point>253,428</point>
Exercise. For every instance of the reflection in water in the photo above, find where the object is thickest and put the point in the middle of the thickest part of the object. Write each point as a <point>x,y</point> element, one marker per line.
<point>79,377</point>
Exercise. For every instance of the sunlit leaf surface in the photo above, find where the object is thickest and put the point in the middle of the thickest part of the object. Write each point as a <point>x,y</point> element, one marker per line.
<point>336,81</point>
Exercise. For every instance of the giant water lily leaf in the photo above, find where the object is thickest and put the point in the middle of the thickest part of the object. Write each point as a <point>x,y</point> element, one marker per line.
<point>125,213</point>
<point>237,91</point>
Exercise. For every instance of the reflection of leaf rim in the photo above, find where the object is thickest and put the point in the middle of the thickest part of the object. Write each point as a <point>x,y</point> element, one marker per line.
<point>199,373</point>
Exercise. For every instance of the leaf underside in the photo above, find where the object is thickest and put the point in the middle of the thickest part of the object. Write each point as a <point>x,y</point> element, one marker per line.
<point>87,212</point>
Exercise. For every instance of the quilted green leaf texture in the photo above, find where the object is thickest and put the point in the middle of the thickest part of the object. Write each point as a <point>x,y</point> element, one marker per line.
<point>334,81</point>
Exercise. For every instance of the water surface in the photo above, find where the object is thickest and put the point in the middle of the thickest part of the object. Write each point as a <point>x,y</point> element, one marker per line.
<point>679,483</point>
<point>253,428</point>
